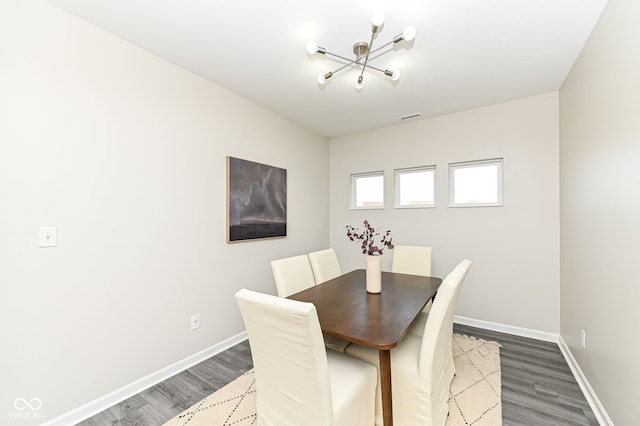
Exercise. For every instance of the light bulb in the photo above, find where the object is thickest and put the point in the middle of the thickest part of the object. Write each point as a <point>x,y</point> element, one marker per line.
<point>322,78</point>
<point>312,47</point>
<point>409,33</point>
<point>377,19</point>
<point>396,75</point>
<point>359,85</point>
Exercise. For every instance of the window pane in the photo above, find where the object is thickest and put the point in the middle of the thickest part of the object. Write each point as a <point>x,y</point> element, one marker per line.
<point>476,183</point>
<point>368,191</point>
<point>415,187</point>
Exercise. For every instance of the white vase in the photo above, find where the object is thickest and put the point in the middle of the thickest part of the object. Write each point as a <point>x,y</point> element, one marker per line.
<point>374,274</point>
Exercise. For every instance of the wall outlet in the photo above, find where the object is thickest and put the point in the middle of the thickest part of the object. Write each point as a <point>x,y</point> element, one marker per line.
<point>47,237</point>
<point>583,339</point>
<point>195,322</point>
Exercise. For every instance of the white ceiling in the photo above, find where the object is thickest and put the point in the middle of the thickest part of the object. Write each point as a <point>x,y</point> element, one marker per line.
<point>467,53</point>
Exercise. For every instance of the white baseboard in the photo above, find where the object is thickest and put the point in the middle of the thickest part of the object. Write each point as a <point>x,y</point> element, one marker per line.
<point>509,329</point>
<point>94,407</point>
<point>597,408</point>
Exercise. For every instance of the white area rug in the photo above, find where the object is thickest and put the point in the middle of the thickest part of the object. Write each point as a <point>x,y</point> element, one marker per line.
<point>474,396</point>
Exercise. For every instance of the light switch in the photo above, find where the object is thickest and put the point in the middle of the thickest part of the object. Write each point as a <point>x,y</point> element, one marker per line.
<point>47,237</point>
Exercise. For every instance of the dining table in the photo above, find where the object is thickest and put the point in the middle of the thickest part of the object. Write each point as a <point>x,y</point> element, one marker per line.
<point>375,320</point>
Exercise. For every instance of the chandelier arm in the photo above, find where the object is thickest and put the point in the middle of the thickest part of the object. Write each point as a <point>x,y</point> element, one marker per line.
<point>356,62</point>
<point>367,66</point>
<point>374,68</point>
<point>366,59</point>
<point>342,67</point>
<point>351,61</point>
<point>381,47</point>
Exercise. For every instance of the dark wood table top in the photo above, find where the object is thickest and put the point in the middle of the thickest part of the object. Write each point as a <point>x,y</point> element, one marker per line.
<point>378,321</point>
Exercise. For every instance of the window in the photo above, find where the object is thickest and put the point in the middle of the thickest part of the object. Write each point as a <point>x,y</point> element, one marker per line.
<point>475,183</point>
<point>367,191</point>
<point>415,187</point>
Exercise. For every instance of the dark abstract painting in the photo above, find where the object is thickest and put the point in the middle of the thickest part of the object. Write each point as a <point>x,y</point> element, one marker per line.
<point>256,201</point>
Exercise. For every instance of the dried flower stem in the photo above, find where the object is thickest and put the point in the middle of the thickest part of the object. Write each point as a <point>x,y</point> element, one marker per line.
<point>367,238</point>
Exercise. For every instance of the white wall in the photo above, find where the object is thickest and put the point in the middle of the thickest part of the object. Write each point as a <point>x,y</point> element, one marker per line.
<point>600,209</point>
<point>515,276</point>
<point>125,154</point>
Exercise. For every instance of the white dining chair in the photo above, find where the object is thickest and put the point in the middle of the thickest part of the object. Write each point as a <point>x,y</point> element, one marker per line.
<point>422,368</point>
<point>325,265</point>
<point>292,274</point>
<point>299,382</point>
<point>414,260</point>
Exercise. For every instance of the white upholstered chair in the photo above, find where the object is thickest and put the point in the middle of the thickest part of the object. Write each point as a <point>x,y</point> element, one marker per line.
<point>422,368</point>
<point>325,265</point>
<point>298,382</point>
<point>414,260</point>
<point>292,274</point>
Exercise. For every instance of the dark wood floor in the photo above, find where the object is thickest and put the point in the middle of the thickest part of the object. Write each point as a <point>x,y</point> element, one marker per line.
<point>538,388</point>
<point>162,402</point>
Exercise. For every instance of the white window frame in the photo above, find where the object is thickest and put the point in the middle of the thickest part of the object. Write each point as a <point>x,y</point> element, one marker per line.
<point>470,164</point>
<point>354,195</point>
<point>398,187</point>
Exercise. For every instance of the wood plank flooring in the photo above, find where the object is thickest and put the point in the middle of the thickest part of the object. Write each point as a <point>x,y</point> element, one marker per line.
<point>538,388</point>
<point>162,402</point>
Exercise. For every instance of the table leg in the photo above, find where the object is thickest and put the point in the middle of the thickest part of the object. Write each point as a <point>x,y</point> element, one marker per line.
<point>385,383</point>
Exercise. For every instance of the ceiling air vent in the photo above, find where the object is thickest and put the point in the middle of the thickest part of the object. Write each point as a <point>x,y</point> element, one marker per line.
<point>410,116</point>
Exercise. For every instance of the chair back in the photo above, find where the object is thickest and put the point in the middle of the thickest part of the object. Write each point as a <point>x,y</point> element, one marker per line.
<point>435,353</point>
<point>292,274</point>
<point>289,359</point>
<point>414,260</point>
<point>325,265</point>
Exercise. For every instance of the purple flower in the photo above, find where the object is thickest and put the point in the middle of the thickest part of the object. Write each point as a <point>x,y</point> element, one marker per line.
<point>367,238</point>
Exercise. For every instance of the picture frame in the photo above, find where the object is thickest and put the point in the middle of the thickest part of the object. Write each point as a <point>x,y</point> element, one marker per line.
<point>256,201</point>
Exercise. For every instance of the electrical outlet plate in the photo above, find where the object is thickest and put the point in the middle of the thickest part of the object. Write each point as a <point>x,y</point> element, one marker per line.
<point>195,322</point>
<point>583,339</point>
<point>47,237</point>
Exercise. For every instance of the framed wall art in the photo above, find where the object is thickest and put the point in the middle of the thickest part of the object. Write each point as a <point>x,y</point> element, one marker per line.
<point>256,201</point>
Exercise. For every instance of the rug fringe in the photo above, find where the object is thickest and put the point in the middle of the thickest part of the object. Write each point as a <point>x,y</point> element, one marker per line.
<point>478,339</point>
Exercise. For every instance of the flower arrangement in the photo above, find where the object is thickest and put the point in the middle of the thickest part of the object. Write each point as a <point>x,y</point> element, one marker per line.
<point>368,236</point>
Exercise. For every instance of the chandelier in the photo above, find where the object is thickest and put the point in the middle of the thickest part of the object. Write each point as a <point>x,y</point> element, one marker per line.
<point>363,52</point>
